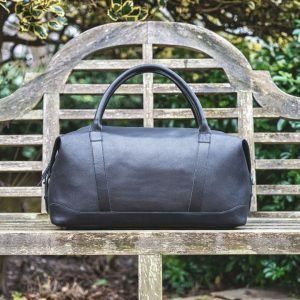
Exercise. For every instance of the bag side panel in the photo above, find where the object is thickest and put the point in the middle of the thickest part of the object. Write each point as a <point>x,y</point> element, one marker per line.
<point>72,181</point>
<point>227,180</point>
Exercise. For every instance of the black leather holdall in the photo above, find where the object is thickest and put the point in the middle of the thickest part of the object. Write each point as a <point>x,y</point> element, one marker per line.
<point>108,177</point>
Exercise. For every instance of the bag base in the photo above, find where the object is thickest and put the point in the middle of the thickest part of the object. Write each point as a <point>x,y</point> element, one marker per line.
<point>66,217</point>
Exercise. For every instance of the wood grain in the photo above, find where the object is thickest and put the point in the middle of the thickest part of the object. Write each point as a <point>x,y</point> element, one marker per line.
<point>150,277</point>
<point>166,113</point>
<point>50,130</point>
<point>18,140</point>
<point>135,89</point>
<point>13,192</point>
<point>20,166</point>
<point>34,235</point>
<point>277,138</point>
<point>278,189</point>
<point>278,164</point>
<point>246,131</point>
<point>148,98</point>
<point>123,64</point>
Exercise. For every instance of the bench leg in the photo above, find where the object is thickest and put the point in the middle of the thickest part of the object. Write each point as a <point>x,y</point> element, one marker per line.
<point>150,277</point>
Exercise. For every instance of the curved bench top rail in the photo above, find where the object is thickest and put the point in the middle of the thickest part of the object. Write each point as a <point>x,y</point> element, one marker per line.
<point>224,55</point>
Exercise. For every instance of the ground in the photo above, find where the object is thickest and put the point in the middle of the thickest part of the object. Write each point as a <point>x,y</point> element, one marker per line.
<point>96,278</point>
<point>71,277</point>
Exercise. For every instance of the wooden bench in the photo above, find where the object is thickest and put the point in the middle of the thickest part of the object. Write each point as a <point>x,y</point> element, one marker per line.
<point>265,233</point>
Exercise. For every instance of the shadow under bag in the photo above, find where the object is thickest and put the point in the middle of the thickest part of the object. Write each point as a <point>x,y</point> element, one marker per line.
<point>132,177</point>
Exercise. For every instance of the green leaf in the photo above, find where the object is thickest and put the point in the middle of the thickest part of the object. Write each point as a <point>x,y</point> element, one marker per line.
<point>127,7</point>
<point>41,31</point>
<point>296,31</point>
<point>116,7</point>
<point>144,13</point>
<point>112,15</point>
<point>162,3</point>
<point>137,14</point>
<point>251,5</point>
<point>18,8</point>
<point>56,24</point>
<point>62,20</point>
<point>56,9</point>
<point>37,13</point>
<point>29,152</point>
<point>17,296</point>
<point>281,124</point>
<point>101,282</point>
<point>24,27</point>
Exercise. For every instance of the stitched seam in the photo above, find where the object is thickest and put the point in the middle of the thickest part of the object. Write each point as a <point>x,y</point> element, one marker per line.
<point>95,176</point>
<point>106,177</point>
<point>205,167</point>
<point>146,212</point>
<point>195,171</point>
<point>202,171</point>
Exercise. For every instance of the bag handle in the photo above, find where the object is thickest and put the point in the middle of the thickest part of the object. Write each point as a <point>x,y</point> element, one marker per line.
<point>153,68</point>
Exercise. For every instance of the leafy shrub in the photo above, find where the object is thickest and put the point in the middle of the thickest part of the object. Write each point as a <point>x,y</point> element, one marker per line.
<point>219,272</point>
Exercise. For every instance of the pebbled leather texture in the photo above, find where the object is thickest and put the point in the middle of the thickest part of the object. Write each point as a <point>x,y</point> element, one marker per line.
<point>124,177</point>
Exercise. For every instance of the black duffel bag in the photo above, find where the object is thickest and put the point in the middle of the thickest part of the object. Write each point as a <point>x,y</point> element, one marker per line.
<point>133,177</point>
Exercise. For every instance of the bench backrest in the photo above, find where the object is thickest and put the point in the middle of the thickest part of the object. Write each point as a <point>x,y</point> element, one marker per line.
<point>246,83</point>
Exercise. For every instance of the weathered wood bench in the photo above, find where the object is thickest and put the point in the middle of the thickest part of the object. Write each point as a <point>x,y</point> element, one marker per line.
<point>265,233</point>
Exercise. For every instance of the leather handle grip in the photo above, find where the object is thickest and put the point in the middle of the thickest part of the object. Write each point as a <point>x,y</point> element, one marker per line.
<point>153,68</point>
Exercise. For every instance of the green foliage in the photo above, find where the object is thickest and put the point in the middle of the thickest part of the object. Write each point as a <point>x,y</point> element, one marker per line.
<point>265,19</point>
<point>126,10</point>
<point>282,61</point>
<point>40,16</point>
<point>177,274</point>
<point>11,76</point>
<point>211,272</point>
<point>17,296</point>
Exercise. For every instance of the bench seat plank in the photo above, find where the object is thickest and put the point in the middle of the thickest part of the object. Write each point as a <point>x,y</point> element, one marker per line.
<point>32,234</point>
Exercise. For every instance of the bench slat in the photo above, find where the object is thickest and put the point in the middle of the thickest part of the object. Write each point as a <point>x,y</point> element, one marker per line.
<point>174,113</point>
<point>261,190</point>
<point>14,191</point>
<point>135,89</point>
<point>122,64</point>
<point>278,189</point>
<point>38,237</point>
<point>88,114</point>
<point>20,166</point>
<point>277,164</point>
<point>262,138</point>
<point>276,214</point>
<point>17,140</point>
<point>277,138</point>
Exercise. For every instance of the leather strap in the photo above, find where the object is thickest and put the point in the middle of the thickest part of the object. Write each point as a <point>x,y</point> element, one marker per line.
<point>100,173</point>
<point>200,172</point>
<point>159,69</point>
